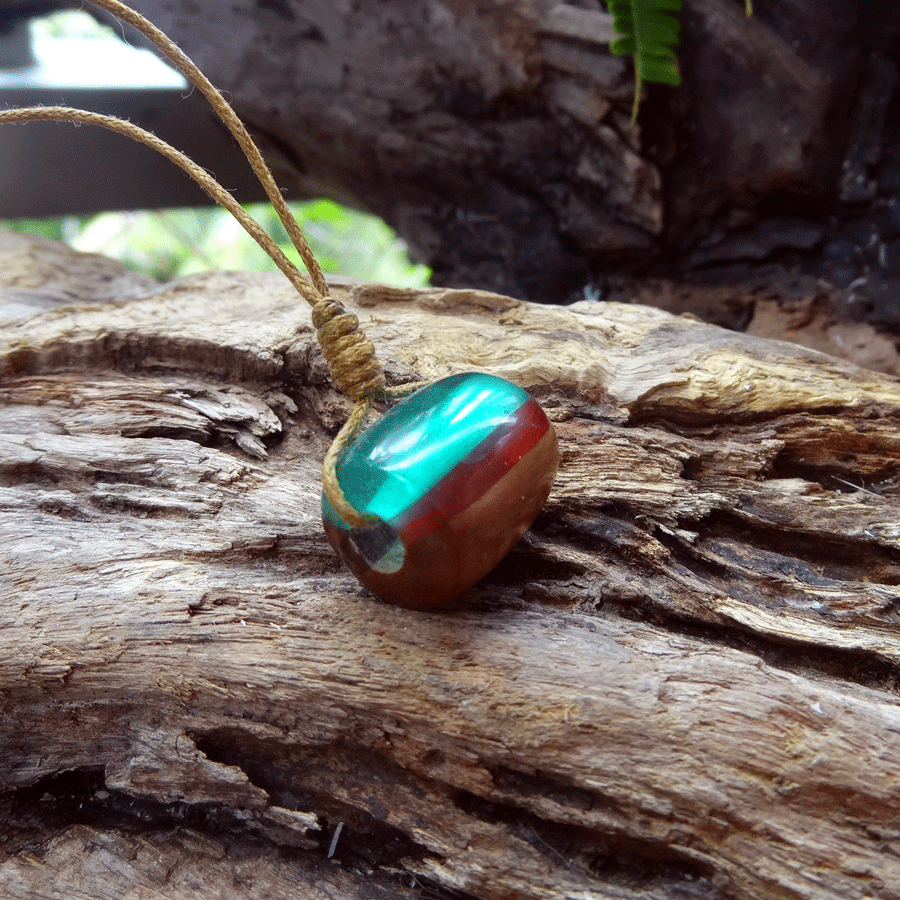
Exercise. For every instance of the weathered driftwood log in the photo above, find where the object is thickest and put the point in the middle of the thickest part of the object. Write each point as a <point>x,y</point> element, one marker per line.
<point>683,682</point>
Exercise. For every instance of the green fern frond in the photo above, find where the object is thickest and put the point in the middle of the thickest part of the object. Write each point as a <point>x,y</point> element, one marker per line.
<point>649,32</point>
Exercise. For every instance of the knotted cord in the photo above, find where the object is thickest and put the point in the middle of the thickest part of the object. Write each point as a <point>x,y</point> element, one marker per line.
<point>349,353</point>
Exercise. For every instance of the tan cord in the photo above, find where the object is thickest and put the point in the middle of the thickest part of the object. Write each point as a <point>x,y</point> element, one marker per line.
<point>199,174</point>
<point>349,353</point>
<point>186,66</point>
<point>330,483</point>
<point>398,392</point>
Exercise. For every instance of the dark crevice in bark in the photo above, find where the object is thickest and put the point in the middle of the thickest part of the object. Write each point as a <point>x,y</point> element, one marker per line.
<point>34,815</point>
<point>840,474</point>
<point>825,560</point>
<point>618,859</point>
<point>809,660</point>
<point>81,796</point>
<point>304,785</point>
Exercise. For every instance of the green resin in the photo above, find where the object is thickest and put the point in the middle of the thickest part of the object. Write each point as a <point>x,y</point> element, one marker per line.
<point>401,457</point>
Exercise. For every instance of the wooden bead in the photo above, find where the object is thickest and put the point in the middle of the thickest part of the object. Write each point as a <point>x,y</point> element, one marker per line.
<point>454,475</point>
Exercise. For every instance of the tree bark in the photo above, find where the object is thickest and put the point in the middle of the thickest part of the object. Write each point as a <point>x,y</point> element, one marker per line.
<point>681,683</point>
<point>495,136</point>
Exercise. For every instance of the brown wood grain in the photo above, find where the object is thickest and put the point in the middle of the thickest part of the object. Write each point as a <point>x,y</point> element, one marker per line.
<point>681,683</point>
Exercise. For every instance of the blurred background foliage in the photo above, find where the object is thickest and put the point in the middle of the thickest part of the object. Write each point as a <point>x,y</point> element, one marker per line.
<point>166,244</point>
<point>170,243</point>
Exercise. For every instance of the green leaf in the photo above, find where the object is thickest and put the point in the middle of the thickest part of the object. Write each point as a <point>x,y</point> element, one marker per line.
<point>649,32</point>
<point>170,243</point>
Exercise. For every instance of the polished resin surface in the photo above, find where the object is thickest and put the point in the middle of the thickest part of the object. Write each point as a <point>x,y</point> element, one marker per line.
<point>454,474</point>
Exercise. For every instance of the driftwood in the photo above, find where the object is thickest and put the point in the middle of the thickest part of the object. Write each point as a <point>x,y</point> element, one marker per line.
<point>682,683</point>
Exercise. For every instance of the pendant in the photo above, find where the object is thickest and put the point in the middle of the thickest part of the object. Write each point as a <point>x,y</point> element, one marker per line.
<point>454,475</point>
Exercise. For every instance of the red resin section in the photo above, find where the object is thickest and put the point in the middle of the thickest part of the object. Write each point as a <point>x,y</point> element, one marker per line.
<point>476,474</point>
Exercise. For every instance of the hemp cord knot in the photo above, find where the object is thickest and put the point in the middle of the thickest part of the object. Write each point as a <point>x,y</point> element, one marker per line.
<point>349,353</point>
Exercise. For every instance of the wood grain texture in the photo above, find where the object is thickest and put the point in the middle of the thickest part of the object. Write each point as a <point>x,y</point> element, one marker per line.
<point>682,683</point>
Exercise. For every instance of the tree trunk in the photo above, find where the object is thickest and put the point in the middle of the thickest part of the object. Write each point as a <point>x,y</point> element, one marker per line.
<point>682,683</point>
<point>495,136</point>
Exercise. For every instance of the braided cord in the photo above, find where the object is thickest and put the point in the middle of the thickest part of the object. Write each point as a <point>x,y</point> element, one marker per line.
<point>349,353</point>
<point>355,368</point>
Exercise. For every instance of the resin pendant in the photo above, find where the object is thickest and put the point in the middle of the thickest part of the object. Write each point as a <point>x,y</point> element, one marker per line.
<point>455,474</point>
